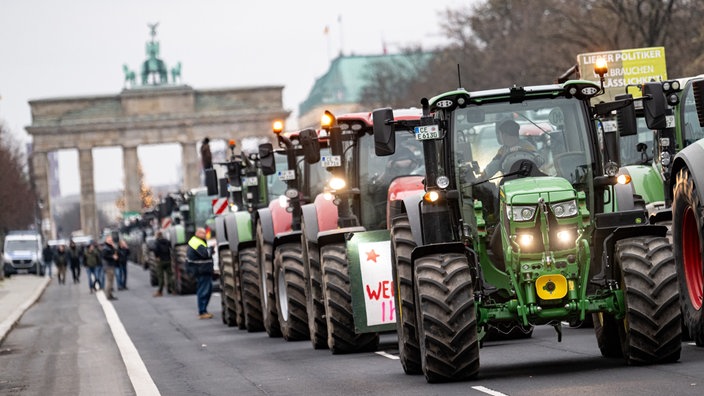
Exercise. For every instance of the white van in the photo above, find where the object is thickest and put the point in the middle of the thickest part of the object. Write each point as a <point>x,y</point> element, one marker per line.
<point>22,253</point>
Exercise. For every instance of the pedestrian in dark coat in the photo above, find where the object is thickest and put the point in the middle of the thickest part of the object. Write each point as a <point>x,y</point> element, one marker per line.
<point>110,261</point>
<point>61,259</point>
<point>76,257</point>
<point>200,263</point>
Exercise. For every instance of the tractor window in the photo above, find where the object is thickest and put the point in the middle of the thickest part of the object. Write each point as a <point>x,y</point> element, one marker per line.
<point>377,173</point>
<point>630,144</point>
<point>317,177</point>
<point>692,130</point>
<point>548,135</point>
<point>276,186</point>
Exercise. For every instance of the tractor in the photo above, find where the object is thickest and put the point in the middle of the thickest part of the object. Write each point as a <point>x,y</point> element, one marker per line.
<point>543,240</point>
<point>246,191</point>
<point>345,236</point>
<point>279,256</point>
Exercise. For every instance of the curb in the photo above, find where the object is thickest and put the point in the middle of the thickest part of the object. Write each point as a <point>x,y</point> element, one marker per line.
<point>9,323</point>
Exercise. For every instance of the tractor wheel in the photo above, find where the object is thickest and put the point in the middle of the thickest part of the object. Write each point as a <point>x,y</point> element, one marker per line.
<point>266,285</point>
<point>608,332</point>
<point>227,286</point>
<point>447,326</point>
<point>688,237</point>
<point>291,292</point>
<point>185,283</point>
<point>338,304</point>
<point>239,305</point>
<point>315,306</point>
<point>249,272</point>
<point>652,325</point>
<point>406,323</point>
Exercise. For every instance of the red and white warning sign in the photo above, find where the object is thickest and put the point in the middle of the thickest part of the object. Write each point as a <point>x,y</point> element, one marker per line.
<point>165,222</point>
<point>219,205</point>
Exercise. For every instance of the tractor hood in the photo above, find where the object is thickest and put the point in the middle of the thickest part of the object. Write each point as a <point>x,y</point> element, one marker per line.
<point>528,191</point>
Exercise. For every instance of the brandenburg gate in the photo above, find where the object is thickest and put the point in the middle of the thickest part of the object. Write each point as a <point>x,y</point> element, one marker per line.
<point>155,112</point>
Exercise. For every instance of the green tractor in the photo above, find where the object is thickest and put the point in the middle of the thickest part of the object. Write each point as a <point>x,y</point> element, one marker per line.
<point>532,235</point>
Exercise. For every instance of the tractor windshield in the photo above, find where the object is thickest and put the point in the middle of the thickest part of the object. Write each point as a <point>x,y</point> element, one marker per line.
<point>638,149</point>
<point>377,173</point>
<point>499,141</point>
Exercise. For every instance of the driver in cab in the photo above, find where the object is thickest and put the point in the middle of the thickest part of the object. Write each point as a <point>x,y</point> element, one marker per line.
<point>507,135</point>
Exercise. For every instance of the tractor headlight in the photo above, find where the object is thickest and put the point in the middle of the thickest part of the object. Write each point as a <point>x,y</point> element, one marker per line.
<point>564,209</point>
<point>233,208</point>
<point>283,201</point>
<point>520,212</point>
<point>431,196</point>
<point>525,240</point>
<point>337,183</point>
<point>442,181</point>
<point>565,237</point>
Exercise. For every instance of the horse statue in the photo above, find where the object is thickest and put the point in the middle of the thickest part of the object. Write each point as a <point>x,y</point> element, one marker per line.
<point>154,65</point>
<point>176,73</point>
<point>130,77</point>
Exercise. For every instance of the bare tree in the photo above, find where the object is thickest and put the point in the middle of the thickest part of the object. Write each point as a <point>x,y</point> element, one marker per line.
<point>17,201</point>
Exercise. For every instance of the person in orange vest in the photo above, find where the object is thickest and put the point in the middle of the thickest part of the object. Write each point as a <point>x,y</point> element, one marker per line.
<point>200,263</point>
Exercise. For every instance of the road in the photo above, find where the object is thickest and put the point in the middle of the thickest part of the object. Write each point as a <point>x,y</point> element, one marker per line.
<point>64,346</point>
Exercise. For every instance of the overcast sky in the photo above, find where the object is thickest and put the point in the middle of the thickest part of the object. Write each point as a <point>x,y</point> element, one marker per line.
<point>60,48</point>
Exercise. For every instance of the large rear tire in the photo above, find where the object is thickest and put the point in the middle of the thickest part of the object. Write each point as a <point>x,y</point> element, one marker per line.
<point>338,304</point>
<point>265,258</point>
<point>185,283</point>
<point>688,239</point>
<point>291,292</point>
<point>249,271</point>
<point>227,285</point>
<point>402,245</point>
<point>447,326</point>
<point>652,325</point>
<point>315,306</point>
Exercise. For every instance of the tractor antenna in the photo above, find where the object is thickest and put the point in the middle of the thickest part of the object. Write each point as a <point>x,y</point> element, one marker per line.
<point>459,75</point>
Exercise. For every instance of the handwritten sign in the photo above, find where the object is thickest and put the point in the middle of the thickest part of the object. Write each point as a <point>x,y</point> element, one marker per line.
<point>371,276</point>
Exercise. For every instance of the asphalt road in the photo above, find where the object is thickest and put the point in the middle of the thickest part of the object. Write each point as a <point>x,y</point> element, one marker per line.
<point>64,346</point>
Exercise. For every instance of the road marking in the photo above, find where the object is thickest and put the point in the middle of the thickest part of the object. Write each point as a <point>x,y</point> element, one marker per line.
<point>136,370</point>
<point>387,355</point>
<point>488,391</point>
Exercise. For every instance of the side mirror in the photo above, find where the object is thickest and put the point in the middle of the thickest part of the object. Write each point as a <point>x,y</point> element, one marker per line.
<point>384,134</point>
<point>310,144</point>
<point>266,159</point>
<point>612,149</point>
<point>626,117</point>
<point>223,187</point>
<point>211,181</point>
<point>654,105</point>
<point>698,90</point>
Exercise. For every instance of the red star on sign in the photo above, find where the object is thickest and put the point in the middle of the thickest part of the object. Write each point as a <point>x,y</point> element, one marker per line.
<point>371,256</point>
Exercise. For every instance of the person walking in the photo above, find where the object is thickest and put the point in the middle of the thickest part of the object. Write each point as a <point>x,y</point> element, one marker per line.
<point>200,263</point>
<point>92,261</point>
<point>75,261</point>
<point>110,261</point>
<point>162,251</point>
<point>48,258</point>
<point>61,259</point>
<point>124,253</point>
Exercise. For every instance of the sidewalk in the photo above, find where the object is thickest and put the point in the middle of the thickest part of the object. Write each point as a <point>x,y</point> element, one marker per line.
<point>17,294</point>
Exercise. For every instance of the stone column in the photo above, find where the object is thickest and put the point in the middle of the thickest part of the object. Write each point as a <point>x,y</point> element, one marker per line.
<point>133,201</point>
<point>191,166</point>
<point>89,214</point>
<point>40,175</point>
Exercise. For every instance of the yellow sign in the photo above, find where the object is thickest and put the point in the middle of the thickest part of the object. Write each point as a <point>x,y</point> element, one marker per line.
<point>551,287</point>
<point>626,67</point>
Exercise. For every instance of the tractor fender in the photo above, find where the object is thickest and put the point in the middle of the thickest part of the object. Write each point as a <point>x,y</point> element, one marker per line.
<point>177,235</point>
<point>645,181</point>
<point>337,235</point>
<point>623,193</point>
<point>449,247</point>
<point>623,233</point>
<point>221,231</point>
<point>310,220</point>
<point>399,189</point>
<point>267,222</point>
<point>281,220</point>
<point>411,207</point>
<point>692,158</point>
<point>287,237</point>
<point>239,230</point>
<point>326,213</point>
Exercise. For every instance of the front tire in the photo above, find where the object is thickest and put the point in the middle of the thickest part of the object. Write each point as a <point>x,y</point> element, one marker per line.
<point>267,297</point>
<point>227,284</point>
<point>652,325</point>
<point>338,304</point>
<point>185,283</point>
<point>402,245</point>
<point>315,306</point>
<point>447,326</point>
<point>291,292</point>
<point>249,271</point>
<point>688,237</point>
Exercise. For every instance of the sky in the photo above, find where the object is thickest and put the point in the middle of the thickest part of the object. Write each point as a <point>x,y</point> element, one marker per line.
<point>66,48</point>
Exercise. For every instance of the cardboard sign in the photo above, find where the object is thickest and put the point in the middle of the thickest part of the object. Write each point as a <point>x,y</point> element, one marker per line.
<point>372,284</point>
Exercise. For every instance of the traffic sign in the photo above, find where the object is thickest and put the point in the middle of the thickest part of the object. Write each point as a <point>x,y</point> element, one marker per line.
<point>219,205</point>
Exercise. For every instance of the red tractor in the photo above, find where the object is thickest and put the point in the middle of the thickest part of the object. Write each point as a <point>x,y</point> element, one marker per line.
<point>280,267</point>
<point>345,233</point>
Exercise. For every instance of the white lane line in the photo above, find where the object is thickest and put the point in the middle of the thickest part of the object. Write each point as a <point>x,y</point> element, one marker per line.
<point>387,355</point>
<point>136,370</point>
<point>488,391</point>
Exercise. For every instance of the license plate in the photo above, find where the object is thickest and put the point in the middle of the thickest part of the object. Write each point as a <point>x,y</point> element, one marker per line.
<point>22,271</point>
<point>331,161</point>
<point>233,188</point>
<point>288,174</point>
<point>427,132</point>
<point>250,181</point>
